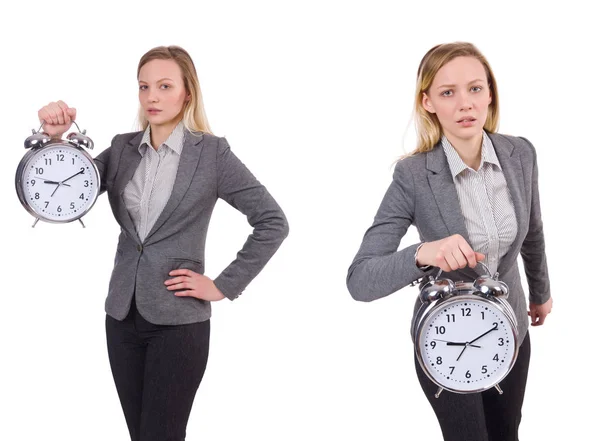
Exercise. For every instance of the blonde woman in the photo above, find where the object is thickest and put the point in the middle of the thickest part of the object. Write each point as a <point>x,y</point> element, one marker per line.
<point>473,196</point>
<point>162,183</point>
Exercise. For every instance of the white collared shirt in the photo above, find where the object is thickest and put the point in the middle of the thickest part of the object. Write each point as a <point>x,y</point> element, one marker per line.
<point>147,193</point>
<point>485,202</point>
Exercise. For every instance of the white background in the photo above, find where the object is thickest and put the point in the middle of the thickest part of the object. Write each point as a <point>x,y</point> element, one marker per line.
<point>316,99</point>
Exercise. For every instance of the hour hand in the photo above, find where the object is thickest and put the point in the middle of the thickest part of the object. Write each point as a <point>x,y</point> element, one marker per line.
<point>455,343</point>
<point>451,343</point>
<point>56,183</point>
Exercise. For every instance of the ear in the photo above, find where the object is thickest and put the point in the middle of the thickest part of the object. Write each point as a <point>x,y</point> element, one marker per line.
<point>427,103</point>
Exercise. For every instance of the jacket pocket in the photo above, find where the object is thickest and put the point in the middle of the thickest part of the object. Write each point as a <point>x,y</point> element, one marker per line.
<point>185,263</point>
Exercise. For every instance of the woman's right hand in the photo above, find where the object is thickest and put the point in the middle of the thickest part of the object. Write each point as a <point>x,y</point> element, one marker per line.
<point>448,254</point>
<point>57,117</point>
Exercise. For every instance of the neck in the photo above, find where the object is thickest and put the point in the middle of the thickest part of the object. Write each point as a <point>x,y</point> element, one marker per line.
<point>469,149</point>
<point>160,132</point>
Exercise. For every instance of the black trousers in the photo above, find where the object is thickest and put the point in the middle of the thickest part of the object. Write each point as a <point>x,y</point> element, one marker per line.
<point>157,370</point>
<point>485,416</point>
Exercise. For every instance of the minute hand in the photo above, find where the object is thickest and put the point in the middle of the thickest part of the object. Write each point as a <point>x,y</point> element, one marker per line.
<point>484,334</point>
<point>71,177</point>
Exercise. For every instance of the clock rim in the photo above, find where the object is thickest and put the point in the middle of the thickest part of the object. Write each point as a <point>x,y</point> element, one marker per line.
<point>442,303</point>
<point>25,162</point>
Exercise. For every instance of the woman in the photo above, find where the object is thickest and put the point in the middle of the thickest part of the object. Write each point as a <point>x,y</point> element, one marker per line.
<point>162,184</point>
<point>473,196</point>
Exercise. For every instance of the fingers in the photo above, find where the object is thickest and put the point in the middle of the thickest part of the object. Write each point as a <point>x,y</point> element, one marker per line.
<point>468,253</point>
<point>455,252</point>
<point>57,113</point>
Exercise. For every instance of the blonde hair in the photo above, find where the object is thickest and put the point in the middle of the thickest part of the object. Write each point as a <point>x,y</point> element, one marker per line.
<point>429,129</point>
<point>194,116</point>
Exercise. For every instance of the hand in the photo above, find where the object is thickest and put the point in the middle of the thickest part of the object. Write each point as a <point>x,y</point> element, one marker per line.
<point>538,313</point>
<point>57,117</point>
<point>191,284</point>
<point>448,254</point>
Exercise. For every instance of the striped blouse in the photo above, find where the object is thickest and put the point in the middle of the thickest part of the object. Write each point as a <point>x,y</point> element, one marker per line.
<point>150,188</point>
<point>485,202</point>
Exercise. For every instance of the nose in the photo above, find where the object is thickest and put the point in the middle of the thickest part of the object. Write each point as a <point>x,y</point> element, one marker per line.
<point>152,96</point>
<point>465,101</point>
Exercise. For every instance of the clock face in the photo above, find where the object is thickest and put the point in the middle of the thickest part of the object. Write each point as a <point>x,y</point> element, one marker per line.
<point>467,344</point>
<point>59,183</point>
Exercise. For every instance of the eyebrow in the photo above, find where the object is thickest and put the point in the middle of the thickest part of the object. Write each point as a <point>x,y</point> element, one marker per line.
<point>454,85</point>
<point>162,79</point>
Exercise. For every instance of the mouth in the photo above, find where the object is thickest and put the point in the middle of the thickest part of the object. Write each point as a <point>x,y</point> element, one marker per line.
<point>153,111</point>
<point>466,119</point>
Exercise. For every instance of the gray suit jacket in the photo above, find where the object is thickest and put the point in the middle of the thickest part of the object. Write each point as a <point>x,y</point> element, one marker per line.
<point>207,170</point>
<point>423,194</point>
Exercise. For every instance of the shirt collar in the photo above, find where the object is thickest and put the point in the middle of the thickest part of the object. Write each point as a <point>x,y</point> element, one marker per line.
<point>174,141</point>
<point>488,155</point>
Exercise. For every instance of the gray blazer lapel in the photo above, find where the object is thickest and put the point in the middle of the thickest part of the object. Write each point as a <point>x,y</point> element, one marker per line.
<point>510,161</point>
<point>444,192</point>
<point>188,163</point>
<point>128,164</point>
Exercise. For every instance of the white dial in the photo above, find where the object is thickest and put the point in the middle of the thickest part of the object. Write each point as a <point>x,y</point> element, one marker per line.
<point>467,344</point>
<point>60,183</point>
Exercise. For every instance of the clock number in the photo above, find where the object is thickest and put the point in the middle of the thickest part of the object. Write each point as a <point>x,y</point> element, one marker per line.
<point>32,182</point>
<point>59,209</point>
<point>72,206</point>
<point>81,170</point>
<point>39,171</point>
<point>440,330</point>
<point>47,203</point>
<point>495,325</point>
<point>60,157</point>
<point>47,161</point>
<point>484,369</point>
<point>466,312</point>
<point>37,196</point>
<point>496,358</point>
<point>81,196</point>
<point>86,183</point>
<point>482,316</point>
<point>433,344</point>
<point>500,342</point>
<point>468,374</point>
<point>438,360</point>
<point>452,369</point>
<point>73,161</point>
<point>448,316</point>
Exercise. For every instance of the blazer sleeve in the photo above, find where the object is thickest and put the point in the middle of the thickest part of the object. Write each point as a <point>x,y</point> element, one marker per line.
<point>101,162</point>
<point>533,248</point>
<point>379,269</point>
<point>238,187</point>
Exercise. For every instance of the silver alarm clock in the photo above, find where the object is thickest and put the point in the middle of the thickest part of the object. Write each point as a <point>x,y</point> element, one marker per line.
<point>57,180</point>
<point>465,333</point>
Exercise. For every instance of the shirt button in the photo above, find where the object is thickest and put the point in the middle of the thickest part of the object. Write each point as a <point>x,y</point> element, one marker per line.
<point>139,248</point>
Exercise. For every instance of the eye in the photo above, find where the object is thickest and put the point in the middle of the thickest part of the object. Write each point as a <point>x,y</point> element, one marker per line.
<point>143,87</point>
<point>446,93</point>
<point>476,88</point>
<point>166,86</point>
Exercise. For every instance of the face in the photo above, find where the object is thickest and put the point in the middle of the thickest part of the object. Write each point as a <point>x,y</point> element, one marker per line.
<point>460,97</point>
<point>162,92</point>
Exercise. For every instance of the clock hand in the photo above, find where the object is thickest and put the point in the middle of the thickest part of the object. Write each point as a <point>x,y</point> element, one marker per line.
<point>484,334</point>
<point>455,343</point>
<point>57,185</point>
<point>451,343</point>
<point>461,352</point>
<point>71,177</point>
<point>55,182</point>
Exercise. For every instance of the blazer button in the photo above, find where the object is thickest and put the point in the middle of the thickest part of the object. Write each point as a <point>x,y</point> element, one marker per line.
<point>139,248</point>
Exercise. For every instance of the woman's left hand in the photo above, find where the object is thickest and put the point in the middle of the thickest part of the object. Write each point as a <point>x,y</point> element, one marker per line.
<point>538,313</point>
<point>188,283</point>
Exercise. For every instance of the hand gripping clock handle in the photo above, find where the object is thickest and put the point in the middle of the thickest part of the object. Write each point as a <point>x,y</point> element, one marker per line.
<point>73,121</point>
